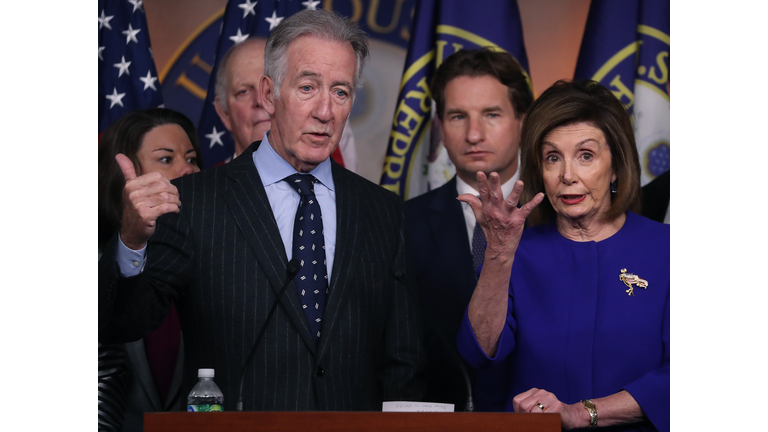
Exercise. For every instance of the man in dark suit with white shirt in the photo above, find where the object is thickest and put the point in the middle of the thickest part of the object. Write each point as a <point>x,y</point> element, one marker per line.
<point>481,98</point>
<point>219,243</point>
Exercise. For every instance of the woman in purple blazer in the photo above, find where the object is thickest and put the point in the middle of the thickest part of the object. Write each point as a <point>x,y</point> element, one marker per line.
<point>577,305</point>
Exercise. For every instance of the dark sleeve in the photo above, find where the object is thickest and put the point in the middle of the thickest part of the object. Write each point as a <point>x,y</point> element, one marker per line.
<point>655,198</point>
<point>402,377</point>
<point>131,307</point>
<point>113,387</point>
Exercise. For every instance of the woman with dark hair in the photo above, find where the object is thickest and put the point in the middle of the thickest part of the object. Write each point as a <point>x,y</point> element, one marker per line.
<point>137,377</point>
<point>154,141</point>
<point>577,305</point>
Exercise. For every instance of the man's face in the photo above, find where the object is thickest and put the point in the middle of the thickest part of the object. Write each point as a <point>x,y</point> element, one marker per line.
<point>479,128</point>
<point>315,101</point>
<point>245,116</point>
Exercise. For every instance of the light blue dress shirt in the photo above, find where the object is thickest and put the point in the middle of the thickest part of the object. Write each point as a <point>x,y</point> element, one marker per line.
<point>283,200</point>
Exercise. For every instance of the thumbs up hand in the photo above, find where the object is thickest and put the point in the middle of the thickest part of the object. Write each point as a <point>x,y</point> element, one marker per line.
<point>145,198</point>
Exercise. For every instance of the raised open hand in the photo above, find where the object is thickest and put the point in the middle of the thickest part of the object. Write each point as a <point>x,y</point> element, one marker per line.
<point>502,221</point>
<point>145,198</point>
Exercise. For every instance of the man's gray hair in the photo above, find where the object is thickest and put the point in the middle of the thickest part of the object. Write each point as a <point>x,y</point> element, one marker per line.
<point>221,73</point>
<point>318,23</point>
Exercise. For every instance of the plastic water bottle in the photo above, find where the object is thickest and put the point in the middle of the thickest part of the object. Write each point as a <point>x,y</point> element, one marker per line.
<point>205,395</point>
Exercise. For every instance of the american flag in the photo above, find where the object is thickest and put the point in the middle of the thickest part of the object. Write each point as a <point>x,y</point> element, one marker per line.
<point>127,74</point>
<point>242,19</point>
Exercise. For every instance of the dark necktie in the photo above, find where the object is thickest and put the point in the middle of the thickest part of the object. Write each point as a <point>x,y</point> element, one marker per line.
<point>478,246</point>
<point>309,250</point>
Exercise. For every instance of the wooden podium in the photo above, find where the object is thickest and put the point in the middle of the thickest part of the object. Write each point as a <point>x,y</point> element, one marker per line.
<point>349,422</point>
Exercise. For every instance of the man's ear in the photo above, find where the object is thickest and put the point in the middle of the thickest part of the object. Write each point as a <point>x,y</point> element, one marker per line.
<point>223,115</point>
<point>266,87</point>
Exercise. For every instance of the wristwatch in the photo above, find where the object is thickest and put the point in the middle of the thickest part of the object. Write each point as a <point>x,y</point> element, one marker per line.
<point>592,410</point>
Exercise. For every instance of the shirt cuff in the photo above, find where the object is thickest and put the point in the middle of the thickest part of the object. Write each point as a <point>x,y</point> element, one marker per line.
<point>131,262</point>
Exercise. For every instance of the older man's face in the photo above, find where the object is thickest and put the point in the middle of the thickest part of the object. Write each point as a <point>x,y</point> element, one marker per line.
<point>315,101</point>
<point>245,116</point>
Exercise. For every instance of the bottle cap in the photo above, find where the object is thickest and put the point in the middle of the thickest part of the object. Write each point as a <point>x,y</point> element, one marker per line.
<point>205,373</point>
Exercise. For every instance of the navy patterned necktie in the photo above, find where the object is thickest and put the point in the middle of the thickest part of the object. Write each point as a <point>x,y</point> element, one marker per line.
<point>309,250</point>
<point>478,246</point>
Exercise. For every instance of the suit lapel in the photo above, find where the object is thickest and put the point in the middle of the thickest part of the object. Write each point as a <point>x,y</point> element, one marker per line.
<point>446,221</point>
<point>247,200</point>
<point>178,374</point>
<point>347,240</point>
<point>138,357</point>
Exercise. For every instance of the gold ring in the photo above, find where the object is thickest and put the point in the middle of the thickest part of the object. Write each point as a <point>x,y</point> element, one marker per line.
<point>541,406</point>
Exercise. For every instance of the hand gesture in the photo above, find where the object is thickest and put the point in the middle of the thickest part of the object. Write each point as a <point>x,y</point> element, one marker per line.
<point>501,220</point>
<point>503,223</point>
<point>145,198</point>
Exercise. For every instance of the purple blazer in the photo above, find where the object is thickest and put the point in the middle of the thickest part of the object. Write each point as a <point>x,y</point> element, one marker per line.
<point>572,328</point>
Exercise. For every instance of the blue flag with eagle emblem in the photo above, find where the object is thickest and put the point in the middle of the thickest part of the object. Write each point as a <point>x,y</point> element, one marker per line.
<point>242,19</point>
<point>626,49</point>
<point>127,73</point>
<point>416,160</point>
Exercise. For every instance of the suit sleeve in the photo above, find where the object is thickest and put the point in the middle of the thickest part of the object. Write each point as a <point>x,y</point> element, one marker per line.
<point>131,307</point>
<point>114,381</point>
<point>402,377</point>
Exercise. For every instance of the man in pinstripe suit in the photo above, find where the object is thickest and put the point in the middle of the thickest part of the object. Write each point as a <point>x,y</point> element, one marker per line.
<point>222,255</point>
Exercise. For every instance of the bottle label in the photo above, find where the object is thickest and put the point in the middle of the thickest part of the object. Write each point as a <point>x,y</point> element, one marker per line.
<point>205,408</point>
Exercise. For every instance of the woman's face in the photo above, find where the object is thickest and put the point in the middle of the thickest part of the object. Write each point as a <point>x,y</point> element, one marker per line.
<point>167,149</point>
<point>576,165</point>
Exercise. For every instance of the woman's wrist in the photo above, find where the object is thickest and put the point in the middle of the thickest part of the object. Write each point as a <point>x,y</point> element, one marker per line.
<point>591,411</point>
<point>575,416</point>
<point>501,257</point>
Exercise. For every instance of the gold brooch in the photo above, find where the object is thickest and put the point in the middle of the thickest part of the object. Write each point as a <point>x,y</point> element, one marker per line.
<point>629,279</point>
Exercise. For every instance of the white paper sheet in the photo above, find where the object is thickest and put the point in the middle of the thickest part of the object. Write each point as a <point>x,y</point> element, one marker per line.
<point>406,406</point>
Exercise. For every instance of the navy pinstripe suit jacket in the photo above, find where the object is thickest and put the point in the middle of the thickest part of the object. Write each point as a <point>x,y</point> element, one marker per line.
<point>221,259</point>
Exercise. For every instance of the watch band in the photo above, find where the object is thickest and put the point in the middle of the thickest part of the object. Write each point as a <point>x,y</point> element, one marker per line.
<point>592,410</point>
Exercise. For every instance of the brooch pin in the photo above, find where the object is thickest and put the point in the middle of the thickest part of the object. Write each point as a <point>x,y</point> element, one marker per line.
<point>629,279</point>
